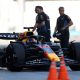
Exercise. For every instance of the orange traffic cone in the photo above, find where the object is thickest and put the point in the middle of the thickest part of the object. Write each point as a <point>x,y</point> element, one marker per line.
<point>63,74</point>
<point>53,72</point>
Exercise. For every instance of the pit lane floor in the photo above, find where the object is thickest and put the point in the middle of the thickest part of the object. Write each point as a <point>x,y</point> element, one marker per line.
<point>32,75</point>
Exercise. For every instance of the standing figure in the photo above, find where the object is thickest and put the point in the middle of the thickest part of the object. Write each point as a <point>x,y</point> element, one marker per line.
<point>42,23</point>
<point>62,27</point>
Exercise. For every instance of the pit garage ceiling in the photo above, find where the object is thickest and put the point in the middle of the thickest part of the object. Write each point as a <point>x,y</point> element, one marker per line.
<point>42,0</point>
<point>49,0</point>
<point>52,0</point>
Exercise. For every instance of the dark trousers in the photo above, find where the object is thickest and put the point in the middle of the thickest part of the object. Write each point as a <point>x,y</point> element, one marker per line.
<point>64,41</point>
<point>45,34</point>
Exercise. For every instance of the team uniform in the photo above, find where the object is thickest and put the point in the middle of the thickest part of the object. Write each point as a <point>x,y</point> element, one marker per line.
<point>63,21</point>
<point>43,29</point>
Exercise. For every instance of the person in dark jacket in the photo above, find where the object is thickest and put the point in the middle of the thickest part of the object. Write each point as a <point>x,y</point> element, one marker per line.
<point>62,27</point>
<point>42,23</point>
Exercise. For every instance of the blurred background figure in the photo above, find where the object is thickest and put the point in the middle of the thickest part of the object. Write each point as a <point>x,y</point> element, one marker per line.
<point>42,23</point>
<point>62,26</point>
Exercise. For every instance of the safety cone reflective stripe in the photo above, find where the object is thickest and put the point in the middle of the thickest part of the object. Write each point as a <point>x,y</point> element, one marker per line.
<point>53,72</point>
<point>63,74</point>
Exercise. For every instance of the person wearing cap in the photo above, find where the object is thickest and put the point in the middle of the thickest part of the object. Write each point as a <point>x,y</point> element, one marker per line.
<point>62,27</point>
<point>42,23</point>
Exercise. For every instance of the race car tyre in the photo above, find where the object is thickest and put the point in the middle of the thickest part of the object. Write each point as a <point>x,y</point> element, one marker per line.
<point>74,51</point>
<point>75,67</point>
<point>15,53</point>
<point>77,50</point>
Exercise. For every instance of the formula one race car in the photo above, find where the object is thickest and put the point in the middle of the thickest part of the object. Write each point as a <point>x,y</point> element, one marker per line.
<point>31,51</point>
<point>28,50</point>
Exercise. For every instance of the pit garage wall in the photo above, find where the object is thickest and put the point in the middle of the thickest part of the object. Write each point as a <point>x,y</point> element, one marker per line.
<point>14,14</point>
<point>11,15</point>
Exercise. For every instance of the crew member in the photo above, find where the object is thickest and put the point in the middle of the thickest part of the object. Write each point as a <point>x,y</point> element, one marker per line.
<point>62,26</point>
<point>42,23</point>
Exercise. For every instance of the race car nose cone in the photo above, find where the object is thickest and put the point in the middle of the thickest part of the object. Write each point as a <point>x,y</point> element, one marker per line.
<point>52,57</point>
